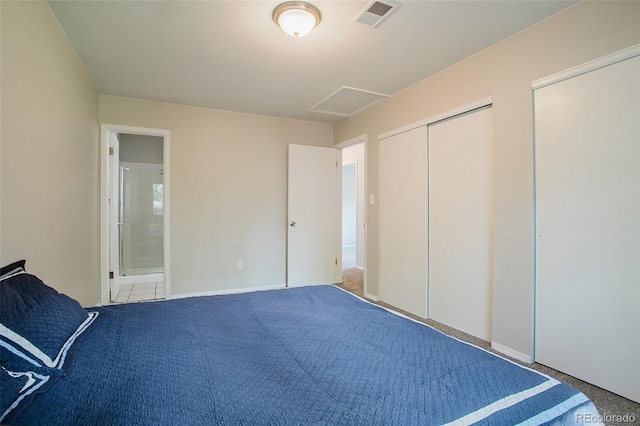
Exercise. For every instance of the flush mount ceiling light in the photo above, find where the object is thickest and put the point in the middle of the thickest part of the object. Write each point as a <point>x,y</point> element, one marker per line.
<point>296,18</point>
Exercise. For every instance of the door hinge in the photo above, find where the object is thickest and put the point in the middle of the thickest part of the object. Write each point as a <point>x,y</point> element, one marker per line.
<point>110,150</point>
<point>336,261</point>
<point>110,275</point>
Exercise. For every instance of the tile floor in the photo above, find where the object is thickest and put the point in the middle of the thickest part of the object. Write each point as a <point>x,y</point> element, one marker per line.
<point>140,291</point>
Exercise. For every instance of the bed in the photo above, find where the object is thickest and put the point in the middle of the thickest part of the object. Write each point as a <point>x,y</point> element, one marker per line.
<point>300,356</point>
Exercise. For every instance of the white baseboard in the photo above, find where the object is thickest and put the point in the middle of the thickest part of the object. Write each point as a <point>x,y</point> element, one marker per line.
<point>359,267</point>
<point>371,297</point>
<point>511,352</point>
<point>227,291</point>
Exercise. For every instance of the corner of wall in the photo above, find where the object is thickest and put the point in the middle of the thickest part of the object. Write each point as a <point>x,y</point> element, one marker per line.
<point>53,110</point>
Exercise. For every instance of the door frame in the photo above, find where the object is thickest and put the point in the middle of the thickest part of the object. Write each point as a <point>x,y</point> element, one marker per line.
<point>114,176</point>
<point>107,130</point>
<point>340,146</point>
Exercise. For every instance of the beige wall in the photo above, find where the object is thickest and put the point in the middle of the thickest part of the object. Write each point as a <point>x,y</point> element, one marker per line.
<point>504,71</point>
<point>228,176</point>
<point>49,153</point>
<point>228,170</point>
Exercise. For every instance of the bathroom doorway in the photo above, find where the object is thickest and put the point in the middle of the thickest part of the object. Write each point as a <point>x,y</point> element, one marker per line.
<point>136,215</point>
<point>139,199</point>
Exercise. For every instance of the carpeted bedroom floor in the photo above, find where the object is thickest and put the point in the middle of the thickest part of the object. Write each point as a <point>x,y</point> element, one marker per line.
<point>609,404</point>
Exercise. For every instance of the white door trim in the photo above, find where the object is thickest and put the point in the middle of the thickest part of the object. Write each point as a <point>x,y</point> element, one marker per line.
<point>103,249</point>
<point>340,146</point>
<point>113,191</point>
<point>439,117</point>
<point>611,59</point>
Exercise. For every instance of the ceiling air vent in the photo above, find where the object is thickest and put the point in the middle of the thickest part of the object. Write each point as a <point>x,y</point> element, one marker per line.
<point>375,12</point>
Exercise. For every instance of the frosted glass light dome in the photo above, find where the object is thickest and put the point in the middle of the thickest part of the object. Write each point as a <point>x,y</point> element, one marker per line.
<point>296,18</point>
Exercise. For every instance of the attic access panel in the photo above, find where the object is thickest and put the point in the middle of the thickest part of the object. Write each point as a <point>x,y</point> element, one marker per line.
<point>348,101</point>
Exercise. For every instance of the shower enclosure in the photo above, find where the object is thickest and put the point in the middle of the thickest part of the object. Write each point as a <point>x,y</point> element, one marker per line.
<point>141,218</point>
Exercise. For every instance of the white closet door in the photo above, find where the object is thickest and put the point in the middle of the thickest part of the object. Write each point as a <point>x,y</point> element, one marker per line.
<point>403,221</point>
<point>460,222</point>
<point>587,152</point>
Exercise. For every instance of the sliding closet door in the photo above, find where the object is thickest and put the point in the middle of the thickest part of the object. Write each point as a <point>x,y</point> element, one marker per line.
<point>587,151</point>
<point>403,221</point>
<point>460,222</point>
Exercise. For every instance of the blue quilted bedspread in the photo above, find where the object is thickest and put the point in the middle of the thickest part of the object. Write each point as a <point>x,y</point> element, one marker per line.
<point>313,355</point>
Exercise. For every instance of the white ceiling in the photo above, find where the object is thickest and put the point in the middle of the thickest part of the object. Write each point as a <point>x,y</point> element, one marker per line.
<point>230,55</point>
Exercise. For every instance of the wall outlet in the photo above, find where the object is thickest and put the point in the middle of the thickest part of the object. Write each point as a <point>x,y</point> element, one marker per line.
<point>372,199</point>
<point>240,265</point>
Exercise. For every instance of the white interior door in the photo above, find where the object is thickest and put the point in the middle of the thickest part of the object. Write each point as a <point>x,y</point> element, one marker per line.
<point>460,222</point>
<point>114,216</point>
<point>587,152</point>
<point>403,221</point>
<point>313,228</point>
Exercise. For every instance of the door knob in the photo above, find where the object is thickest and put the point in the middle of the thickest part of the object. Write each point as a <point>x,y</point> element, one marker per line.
<point>292,224</point>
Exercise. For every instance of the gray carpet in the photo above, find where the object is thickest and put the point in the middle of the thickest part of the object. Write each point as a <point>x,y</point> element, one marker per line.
<point>609,404</point>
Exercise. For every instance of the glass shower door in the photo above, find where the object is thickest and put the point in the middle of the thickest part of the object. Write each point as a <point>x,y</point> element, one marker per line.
<point>141,216</point>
